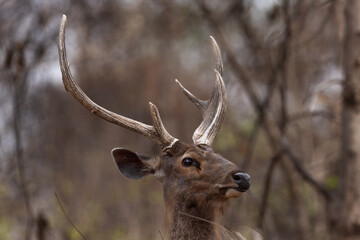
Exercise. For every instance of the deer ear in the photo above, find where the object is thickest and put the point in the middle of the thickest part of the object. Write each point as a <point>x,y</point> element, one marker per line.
<point>131,164</point>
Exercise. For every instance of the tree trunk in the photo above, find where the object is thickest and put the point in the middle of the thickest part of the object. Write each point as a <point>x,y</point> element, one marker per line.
<point>348,197</point>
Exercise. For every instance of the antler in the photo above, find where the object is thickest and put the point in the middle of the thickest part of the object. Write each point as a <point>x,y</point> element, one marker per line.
<point>213,109</point>
<point>156,132</point>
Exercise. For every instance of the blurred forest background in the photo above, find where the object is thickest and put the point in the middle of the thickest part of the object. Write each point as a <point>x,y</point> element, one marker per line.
<point>293,119</point>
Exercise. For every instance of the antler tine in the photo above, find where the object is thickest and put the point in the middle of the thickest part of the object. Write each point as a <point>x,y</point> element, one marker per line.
<point>219,62</point>
<point>157,133</point>
<point>200,104</point>
<point>160,129</point>
<point>213,110</point>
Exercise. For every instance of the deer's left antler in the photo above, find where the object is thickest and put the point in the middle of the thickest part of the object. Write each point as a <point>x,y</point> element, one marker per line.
<point>213,109</point>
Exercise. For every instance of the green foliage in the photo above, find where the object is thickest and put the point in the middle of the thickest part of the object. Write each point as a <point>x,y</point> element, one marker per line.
<point>5,228</point>
<point>5,221</point>
<point>332,182</point>
<point>67,187</point>
<point>73,234</point>
<point>310,201</point>
<point>156,197</point>
<point>227,139</point>
<point>118,234</point>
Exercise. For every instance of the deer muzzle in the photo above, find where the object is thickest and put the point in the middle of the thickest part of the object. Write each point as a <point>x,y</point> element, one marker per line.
<point>242,180</point>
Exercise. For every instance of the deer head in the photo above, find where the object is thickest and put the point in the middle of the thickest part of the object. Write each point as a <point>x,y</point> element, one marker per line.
<point>196,181</point>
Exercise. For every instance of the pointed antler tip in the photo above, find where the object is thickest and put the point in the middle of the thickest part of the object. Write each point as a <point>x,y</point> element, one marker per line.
<point>219,79</point>
<point>214,41</point>
<point>153,107</point>
<point>216,49</point>
<point>62,27</point>
<point>63,19</point>
<point>178,82</point>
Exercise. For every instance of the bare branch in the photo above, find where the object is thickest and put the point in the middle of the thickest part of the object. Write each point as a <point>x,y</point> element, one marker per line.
<point>310,114</point>
<point>305,175</point>
<point>19,83</point>
<point>161,236</point>
<point>68,218</point>
<point>266,189</point>
<point>251,144</point>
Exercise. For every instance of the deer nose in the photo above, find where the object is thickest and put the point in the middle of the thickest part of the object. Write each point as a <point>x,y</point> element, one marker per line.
<point>242,180</point>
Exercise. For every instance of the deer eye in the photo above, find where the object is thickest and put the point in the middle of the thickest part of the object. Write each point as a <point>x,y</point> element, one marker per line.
<point>188,162</point>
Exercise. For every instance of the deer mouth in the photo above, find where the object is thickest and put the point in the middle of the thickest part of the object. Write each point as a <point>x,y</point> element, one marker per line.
<point>243,187</point>
<point>232,190</point>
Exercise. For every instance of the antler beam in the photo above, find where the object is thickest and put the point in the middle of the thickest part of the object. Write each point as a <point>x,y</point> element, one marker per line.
<point>157,132</point>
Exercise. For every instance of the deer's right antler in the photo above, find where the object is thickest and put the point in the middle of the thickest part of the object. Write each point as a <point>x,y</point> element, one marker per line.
<point>157,132</point>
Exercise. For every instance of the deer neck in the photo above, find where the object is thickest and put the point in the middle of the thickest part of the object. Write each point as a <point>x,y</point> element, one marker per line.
<point>190,219</point>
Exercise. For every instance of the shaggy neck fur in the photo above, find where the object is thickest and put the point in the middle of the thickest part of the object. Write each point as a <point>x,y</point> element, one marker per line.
<point>195,221</point>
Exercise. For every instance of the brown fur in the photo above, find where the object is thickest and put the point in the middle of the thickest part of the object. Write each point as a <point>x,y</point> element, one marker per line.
<point>194,195</point>
<point>193,202</point>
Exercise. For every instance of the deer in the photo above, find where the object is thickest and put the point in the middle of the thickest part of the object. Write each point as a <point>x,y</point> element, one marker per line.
<point>196,181</point>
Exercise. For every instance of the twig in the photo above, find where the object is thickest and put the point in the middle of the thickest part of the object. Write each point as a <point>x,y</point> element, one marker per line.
<point>68,218</point>
<point>282,67</point>
<point>201,219</point>
<point>320,28</point>
<point>305,114</point>
<point>161,235</point>
<point>204,220</point>
<point>19,82</point>
<point>211,222</point>
<point>325,3</point>
<point>258,231</point>
<point>267,184</point>
<point>250,145</point>
<point>305,175</point>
